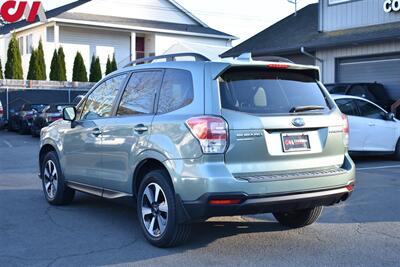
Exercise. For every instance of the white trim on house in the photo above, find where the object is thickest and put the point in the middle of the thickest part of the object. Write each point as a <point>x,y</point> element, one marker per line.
<point>120,27</point>
<point>188,13</point>
<point>136,28</point>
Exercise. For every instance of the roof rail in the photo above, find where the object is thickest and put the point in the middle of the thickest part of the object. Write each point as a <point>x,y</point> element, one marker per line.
<point>169,57</point>
<point>276,59</point>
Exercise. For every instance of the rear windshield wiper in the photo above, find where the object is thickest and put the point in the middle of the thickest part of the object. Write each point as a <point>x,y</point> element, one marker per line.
<point>306,108</point>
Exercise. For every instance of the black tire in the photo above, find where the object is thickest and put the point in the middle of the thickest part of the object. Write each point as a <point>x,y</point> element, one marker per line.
<point>299,218</point>
<point>23,128</point>
<point>34,132</point>
<point>174,233</point>
<point>63,194</point>
<point>397,151</point>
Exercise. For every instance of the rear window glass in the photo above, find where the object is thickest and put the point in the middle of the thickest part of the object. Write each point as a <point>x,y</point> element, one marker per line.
<point>270,91</point>
<point>57,108</point>
<point>37,107</point>
<point>339,89</point>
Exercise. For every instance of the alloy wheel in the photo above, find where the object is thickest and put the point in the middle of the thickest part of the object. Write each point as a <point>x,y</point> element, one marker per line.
<point>154,210</point>
<point>50,179</point>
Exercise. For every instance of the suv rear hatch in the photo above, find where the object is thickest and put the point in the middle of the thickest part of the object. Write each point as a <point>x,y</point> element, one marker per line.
<point>281,122</point>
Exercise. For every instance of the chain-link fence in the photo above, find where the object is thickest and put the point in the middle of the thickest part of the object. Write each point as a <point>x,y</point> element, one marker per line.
<point>12,99</point>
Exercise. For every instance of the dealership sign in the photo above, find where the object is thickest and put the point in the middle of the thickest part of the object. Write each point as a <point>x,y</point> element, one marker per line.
<point>13,11</point>
<point>391,6</point>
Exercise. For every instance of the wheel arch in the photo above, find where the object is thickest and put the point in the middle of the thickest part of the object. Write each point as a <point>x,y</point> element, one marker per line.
<point>143,167</point>
<point>46,148</point>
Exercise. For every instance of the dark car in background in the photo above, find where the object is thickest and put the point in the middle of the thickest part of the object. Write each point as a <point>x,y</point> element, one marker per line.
<point>77,100</point>
<point>21,120</point>
<point>2,116</point>
<point>50,114</point>
<point>375,92</point>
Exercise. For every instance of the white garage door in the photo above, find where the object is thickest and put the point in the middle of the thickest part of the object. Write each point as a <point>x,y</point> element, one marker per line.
<point>381,69</point>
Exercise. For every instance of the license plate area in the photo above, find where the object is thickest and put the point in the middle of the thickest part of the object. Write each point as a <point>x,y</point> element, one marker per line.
<point>295,142</point>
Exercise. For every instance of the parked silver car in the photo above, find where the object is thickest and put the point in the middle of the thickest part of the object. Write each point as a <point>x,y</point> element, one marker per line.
<point>195,139</point>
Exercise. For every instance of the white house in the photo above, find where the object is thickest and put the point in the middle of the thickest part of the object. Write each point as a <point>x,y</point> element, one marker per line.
<point>129,28</point>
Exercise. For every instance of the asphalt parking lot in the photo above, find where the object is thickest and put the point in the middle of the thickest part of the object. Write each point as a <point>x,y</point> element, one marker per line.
<point>365,231</point>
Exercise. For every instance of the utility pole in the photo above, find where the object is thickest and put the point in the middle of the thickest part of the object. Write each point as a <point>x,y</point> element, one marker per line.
<point>295,5</point>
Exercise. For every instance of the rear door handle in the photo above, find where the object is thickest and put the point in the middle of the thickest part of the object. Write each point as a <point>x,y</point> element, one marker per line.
<point>140,128</point>
<point>371,124</point>
<point>96,132</point>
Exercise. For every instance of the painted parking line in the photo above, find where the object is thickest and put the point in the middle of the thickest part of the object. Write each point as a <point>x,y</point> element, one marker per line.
<point>378,167</point>
<point>8,143</point>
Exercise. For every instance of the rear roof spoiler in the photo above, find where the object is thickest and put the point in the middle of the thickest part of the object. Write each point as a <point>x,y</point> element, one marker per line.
<point>312,71</point>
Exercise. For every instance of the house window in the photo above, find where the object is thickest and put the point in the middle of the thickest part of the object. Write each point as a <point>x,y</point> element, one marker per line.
<point>50,34</point>
<point>333,2</point>
<point>21,45</point>
<point>29,44</point>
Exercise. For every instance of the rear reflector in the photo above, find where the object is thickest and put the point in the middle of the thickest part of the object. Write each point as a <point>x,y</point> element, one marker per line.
<point>278,66</point>
<point>350,187</point>
<point>224,201</point>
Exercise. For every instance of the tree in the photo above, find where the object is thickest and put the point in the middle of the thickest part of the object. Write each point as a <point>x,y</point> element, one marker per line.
<point>61,61</point>
<point>1,71</point>
<point>79,72</point>
<point>41,64</point>
<point>108,66</point>
<point>55,67</point>
<point>114,66</point>
<point>14,61</point>
<point>95,70</point>
<point>34,71</point>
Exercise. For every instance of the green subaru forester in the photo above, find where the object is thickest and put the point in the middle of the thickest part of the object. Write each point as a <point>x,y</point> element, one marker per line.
<point>193,139</point>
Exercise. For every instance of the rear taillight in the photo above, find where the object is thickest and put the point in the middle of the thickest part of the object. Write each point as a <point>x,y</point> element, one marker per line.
<point>212,133</point>
<point>350,187</point>
<point>345,130</point>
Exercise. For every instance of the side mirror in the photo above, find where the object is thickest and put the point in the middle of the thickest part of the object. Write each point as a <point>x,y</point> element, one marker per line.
<point>389,116</point>
<point>69,114</point>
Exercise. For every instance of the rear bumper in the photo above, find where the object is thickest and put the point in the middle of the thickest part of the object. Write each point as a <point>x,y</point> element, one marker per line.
<point>192,179</point>
<point>202,209</point>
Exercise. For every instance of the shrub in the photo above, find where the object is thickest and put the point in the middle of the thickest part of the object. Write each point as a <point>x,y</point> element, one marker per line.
<point>14,62</point>
<point>55,67</point>
<point>41,64</point>
<point>34,71</point>
<point>1,71</point>
<point>114,66</point>
<point>61,61</point>
<point>108,66</point>
<point>79,72</point>
<point>95,70</point>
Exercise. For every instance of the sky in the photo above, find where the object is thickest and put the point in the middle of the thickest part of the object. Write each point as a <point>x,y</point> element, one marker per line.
<point>241,18</point>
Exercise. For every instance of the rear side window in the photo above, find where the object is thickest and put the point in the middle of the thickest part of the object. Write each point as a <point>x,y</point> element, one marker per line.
<point>266,91</point>
<point>370,111</point>
<point>347,106</point>
<point>362,91</point>
<point>140,92</point>
<point>176,91</point>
